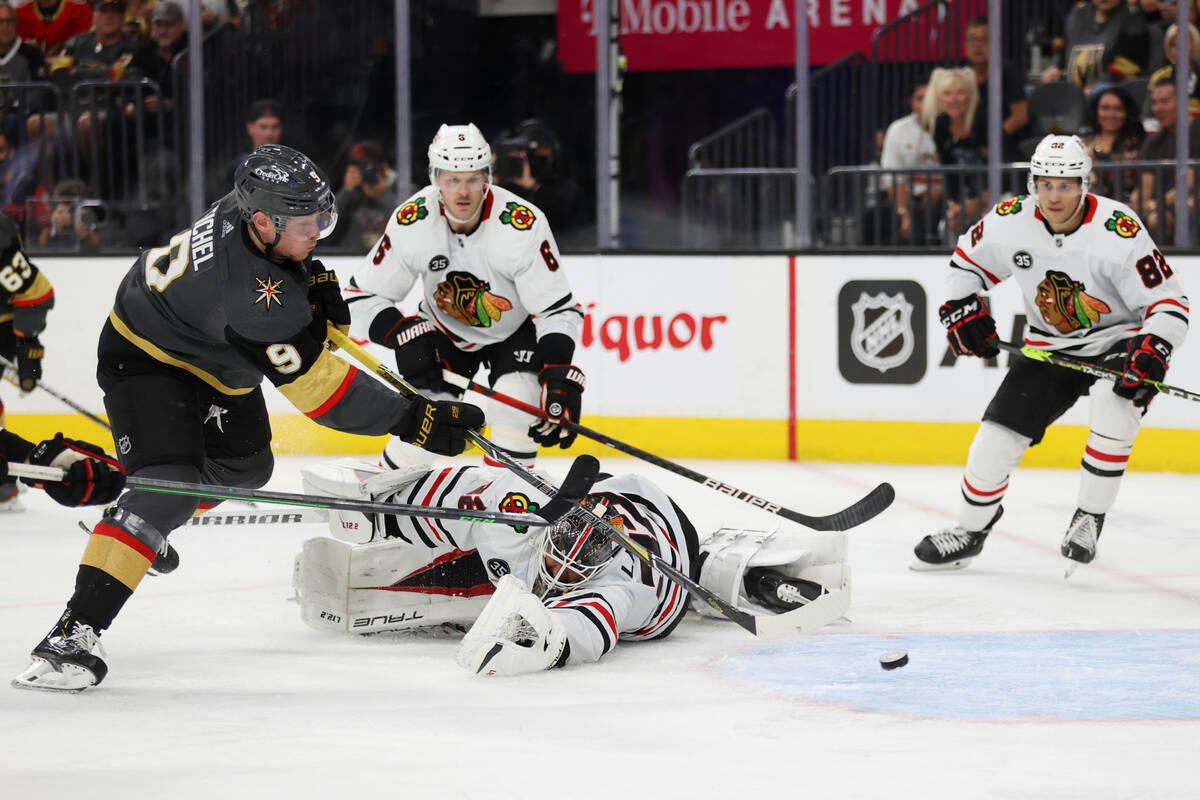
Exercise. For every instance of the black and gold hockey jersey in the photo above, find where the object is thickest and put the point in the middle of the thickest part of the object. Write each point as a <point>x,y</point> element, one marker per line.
<point>25,294</point>
<point>211,304</point>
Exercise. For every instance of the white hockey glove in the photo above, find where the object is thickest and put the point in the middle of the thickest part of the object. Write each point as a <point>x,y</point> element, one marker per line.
<point>514,635</point>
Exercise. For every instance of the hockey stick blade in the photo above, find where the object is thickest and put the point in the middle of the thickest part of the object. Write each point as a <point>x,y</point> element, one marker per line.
<point>866,508</point>
<point>580,477</point>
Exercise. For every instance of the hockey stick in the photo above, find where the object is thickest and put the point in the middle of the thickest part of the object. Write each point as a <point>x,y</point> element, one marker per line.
<point>856,514</point>
<point>9,367</point>
<point>36,472</point>
<point>1091,368</point>
<point>581,469</point>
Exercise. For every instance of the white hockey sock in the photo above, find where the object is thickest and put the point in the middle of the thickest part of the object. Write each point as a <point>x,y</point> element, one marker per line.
<point>1100,472</point>
<point>994,454</point>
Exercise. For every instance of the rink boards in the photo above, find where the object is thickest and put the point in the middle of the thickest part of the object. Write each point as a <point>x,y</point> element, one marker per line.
<point>811,357</point>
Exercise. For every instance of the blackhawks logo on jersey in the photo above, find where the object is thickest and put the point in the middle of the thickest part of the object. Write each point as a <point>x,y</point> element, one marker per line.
<point>1010,206</point>
<point>1065,305</point>
<point>1122,225</point>
<point>517,503</point>
<point>268,291</point>
<point>467,299</point>
<point>412,212</point>
<point>517,215</point>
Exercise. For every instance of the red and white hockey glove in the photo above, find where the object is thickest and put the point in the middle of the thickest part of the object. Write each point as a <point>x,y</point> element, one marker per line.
<point>1146,359</point>
<point>92,478</point>
<point>970,329</point>
<point>562,388</point>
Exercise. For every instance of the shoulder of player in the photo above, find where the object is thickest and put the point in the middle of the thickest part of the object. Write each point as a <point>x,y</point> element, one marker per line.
<point>419,211</point>
<point>1123,224</point>
<point>512,214</point>
<point>1018,209</point>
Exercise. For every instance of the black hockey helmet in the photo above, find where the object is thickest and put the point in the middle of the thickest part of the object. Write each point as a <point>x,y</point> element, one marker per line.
<point>573,550</point>
<point>284,183</point>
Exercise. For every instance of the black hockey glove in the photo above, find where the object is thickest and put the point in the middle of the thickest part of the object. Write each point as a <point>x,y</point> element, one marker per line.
<point>415,341</point>
<point>562,387</point>
<point>92,478</point>
<point>439,426</point>
<point>1146,359</point>
<point>29,362</point>
<point>969,327</point>
<point>325,300</point>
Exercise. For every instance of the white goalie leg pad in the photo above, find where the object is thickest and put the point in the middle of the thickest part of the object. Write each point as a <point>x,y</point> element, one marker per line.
<point>359,480</point>
<point>515,634</point>
<point>351,588</point>
<point>816,557</point>
<point>510,427</point>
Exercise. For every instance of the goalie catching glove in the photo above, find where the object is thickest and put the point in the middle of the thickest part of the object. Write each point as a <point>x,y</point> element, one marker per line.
<point>969,327</point>
<point>562,390</point>
<point>92,478</point>
<point>514,635</point>
<point>1146,359</point>
<point>439,426</point>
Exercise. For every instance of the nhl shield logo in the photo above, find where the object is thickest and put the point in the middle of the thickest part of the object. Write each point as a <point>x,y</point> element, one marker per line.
<point>882,336</point>
<point>881,331</point>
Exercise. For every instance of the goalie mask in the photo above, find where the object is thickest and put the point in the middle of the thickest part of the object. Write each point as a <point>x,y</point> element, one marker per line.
<point>573,550</point>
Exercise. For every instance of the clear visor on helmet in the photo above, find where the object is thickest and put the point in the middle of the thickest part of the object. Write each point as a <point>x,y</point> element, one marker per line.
<point>321,223</point>
<point>573,550</point>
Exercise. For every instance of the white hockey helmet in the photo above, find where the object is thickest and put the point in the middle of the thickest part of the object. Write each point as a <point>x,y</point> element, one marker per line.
<point>459,148</point>
<point>1060,157</point>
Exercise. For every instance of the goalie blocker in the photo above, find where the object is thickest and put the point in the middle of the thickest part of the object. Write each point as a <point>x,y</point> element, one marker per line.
<point>397,574</point>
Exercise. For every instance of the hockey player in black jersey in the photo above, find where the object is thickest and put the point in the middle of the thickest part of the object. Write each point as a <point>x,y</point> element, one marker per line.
<point>25,299</point>
<point>196,325</point>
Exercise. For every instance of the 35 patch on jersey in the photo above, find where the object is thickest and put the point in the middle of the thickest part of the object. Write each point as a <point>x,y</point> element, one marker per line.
<point>517,215</point>
<point>1010,206</point>
<point>412,212</point>
<point>1122,225</point>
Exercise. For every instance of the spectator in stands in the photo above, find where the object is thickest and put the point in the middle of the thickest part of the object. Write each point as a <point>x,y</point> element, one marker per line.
<point>49,24</point>
<point>1168,11</point>
<point>102,54</point>
<point>152,58</point>
<point>1114,132</point>
<point>18,177</point>
<point>949,111</point>
<point>1167,72</point>
<point>529,162</point>
<point>1014,128</point>
<point>366,199</point>
<point>264,125</point>
<point>912,202</point>
<point>217,12</point>
<point>72,225</point>
<point>1107,41</point>
<point>20,62</point>
<point>1152,199</point>
<point>137,19</point>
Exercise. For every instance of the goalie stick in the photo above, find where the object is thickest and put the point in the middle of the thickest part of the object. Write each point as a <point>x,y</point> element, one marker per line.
<point>1091,368</point>
<point>35,472</point>
<point>583,470</point>
<point>856,514</point>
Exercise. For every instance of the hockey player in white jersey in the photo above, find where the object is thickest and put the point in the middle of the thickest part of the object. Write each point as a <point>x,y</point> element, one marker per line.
<point>1095,286</point>
<point>563,594</point>
<point>492,292</point>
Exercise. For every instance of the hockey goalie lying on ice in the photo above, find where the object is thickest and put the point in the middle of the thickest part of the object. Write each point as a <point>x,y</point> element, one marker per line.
<point>543,597</point>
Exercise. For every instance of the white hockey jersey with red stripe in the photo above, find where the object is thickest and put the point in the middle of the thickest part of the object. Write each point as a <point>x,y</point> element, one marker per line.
<point>477,287</point>
<point>625,601</point>
<point>1084,291</point>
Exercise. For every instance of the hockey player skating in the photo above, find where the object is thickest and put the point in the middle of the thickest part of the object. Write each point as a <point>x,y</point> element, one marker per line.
<point>92,477</point>
<point>196,326</point>
<point>1094,286</point>
<point>25,299</point>
<point>564,594</point>
<point>493,292</point>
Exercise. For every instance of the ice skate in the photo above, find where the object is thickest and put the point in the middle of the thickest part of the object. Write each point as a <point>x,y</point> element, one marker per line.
<point>951,548</point>
<point>1079,544</point>
<point>10,501</point>
<point>67,660</point>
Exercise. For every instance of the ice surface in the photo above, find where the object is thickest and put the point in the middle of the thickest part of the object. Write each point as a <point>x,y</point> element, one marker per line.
<point>1021,684</point>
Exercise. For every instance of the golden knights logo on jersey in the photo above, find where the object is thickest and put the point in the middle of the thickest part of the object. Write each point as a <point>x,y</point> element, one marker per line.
<point>269,291</point>
<point>465,298</point>
<point>412,212</point>
<point>1122,225</point>
<point>878,340</point>
<point>517,215</point>
<point>1065,305</point>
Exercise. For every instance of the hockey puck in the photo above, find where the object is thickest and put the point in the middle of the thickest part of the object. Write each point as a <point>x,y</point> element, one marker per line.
<point>893,659</point>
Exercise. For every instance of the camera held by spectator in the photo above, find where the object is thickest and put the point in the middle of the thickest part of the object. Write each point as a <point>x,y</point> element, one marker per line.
<point>366,198</point>
<point>528,162</point>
